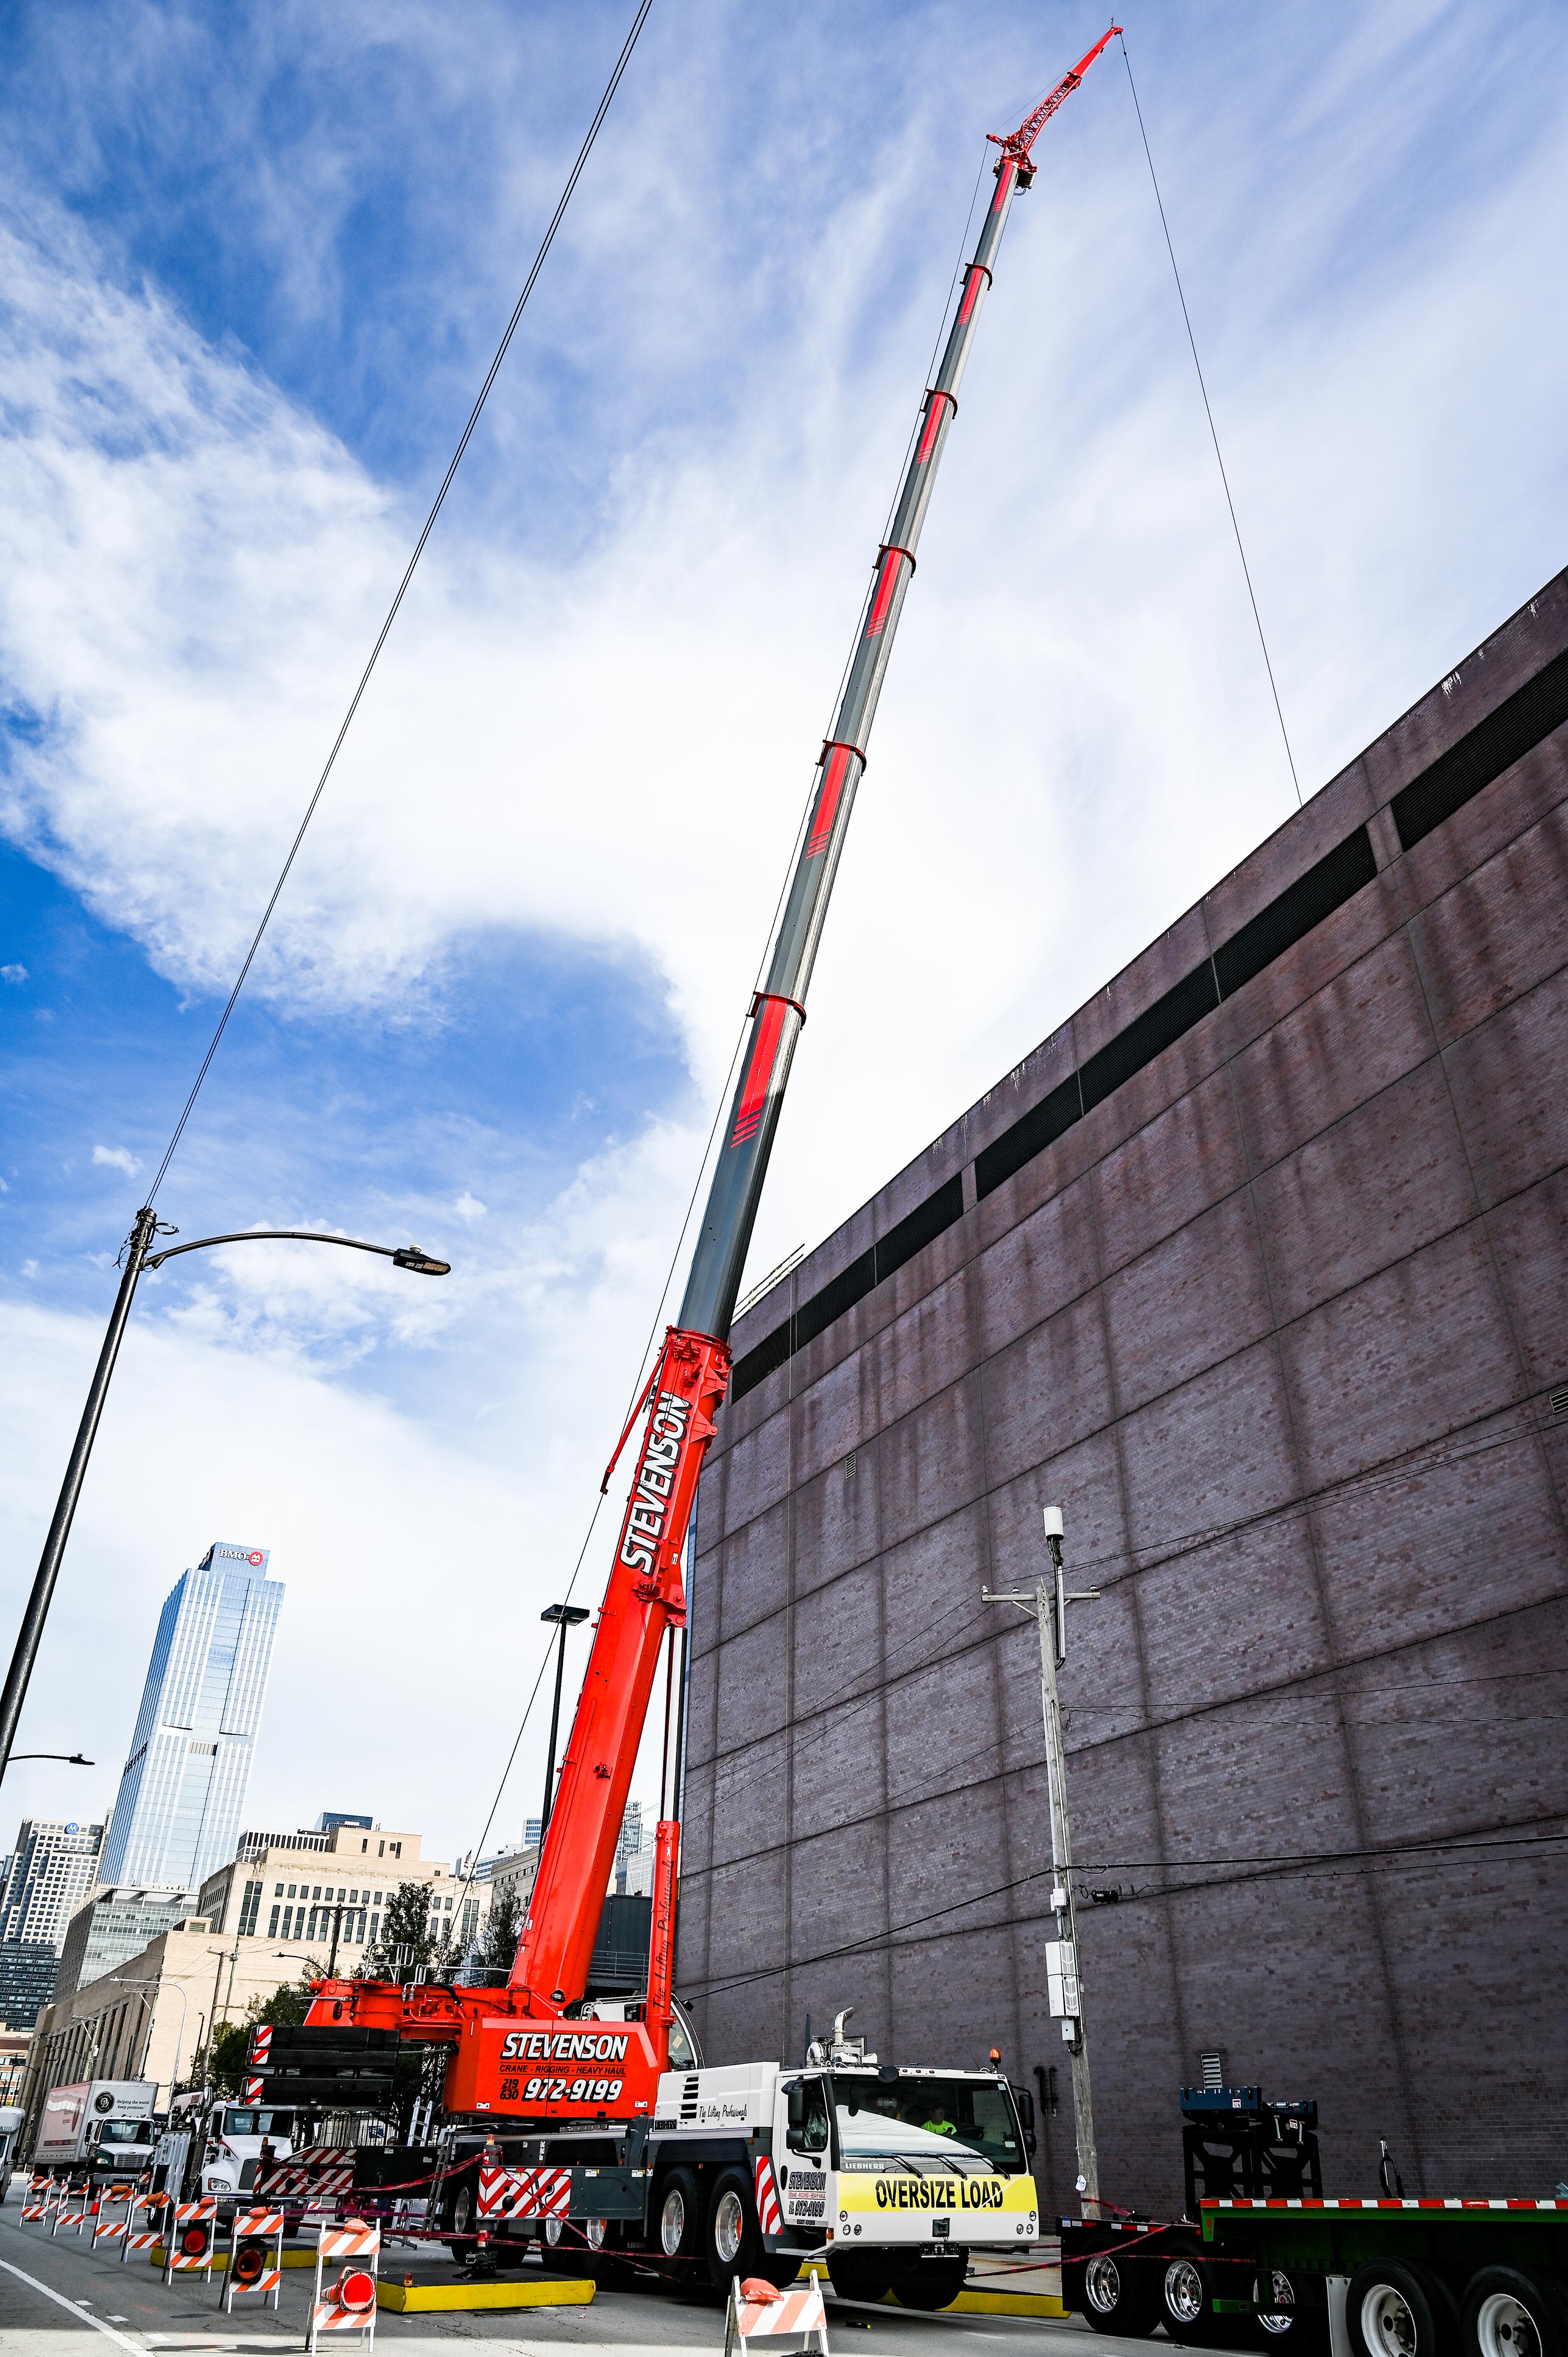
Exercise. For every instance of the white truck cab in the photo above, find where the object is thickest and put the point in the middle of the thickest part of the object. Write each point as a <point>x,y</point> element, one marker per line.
<point>235,2135</point>
<point>891,2174</point>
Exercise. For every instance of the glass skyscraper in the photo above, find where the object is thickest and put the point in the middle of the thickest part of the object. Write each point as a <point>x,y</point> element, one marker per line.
<point>177,1814</point>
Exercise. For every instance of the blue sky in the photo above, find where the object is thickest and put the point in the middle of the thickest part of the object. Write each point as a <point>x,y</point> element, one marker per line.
<point>257,258</point>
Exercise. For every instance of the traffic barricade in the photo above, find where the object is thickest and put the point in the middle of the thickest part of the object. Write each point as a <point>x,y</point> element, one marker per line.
<point>349,2304</point>
<point>758,2312</point>
<point>253,2265</point>
<point>71,2208</point>
<point>107,2229</point>
<point>37,2198</point>
<point>192,2238</point>
<point>144,2223</point>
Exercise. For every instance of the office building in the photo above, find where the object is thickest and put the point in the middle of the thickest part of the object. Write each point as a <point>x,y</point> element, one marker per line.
<point>113,1922</point>
<point>184,1786</point>
<point>27,1972</point>
<point>53,1866</point>
<point>1257,1267</point>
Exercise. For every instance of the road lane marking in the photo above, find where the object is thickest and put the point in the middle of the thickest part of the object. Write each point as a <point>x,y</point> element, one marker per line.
<point>82,2315</point>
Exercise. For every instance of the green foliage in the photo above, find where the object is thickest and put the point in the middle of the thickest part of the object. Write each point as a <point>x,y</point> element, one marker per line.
<point>502,1931</point>
<point>405,1925</point>
<point>226,2057</point>
<point>288,2004</point>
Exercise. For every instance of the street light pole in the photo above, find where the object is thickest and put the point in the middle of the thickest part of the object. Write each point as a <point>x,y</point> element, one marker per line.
<point>137,1257</point>
<point>37,1613</point>
<point>565,1616</point>
<point>1063,1968</point>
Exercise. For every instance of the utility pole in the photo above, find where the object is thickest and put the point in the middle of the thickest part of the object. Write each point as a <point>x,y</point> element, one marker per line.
<point>1063,1972</point>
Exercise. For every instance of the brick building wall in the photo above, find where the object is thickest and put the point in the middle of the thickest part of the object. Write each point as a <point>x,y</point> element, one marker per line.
<point>1257,1267</point>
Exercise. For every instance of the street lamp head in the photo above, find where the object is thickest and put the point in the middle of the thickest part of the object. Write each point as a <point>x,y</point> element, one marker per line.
<point>568,1614</point>
<point>422,1263</point>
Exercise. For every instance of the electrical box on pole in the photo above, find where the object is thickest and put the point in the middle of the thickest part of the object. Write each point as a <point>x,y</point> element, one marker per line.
<point>1064,1976</point>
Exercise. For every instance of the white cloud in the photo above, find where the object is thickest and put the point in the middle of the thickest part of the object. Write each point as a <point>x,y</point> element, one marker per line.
<point>469,1206</point>
<point>116,1157</point>
<point>13,973</point>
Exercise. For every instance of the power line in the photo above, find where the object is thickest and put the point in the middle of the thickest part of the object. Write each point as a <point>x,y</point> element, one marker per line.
<point>1209,413</point>
<point>490,375</point>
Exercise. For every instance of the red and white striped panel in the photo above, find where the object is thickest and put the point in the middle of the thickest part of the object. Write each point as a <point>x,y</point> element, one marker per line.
<point>328,2317</point>
<point>525,2192</point>
<point>322,2169</point>
<point>768,2216</point>
<point>261,2044</point>
<point>354,2240</point>
<point>258,2222</point>
<point>798,2311</point>
<point>253,2090</point>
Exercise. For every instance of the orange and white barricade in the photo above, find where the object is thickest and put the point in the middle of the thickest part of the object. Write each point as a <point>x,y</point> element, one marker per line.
<point>144,2222</point>
<point>192,2239</point>
<point>71,2208</point>
<point>252,2266</point>
<point>757,2312</point>
<point>349,2304</point>
<point>37,2198</point>
<point>113,2197</point>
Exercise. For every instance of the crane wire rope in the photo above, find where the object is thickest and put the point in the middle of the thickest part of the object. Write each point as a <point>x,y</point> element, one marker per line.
<point>622,61</point>
<point>1213,433</point>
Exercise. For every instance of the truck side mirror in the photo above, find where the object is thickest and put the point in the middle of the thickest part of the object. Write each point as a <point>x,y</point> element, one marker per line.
<point>1025,2103</point>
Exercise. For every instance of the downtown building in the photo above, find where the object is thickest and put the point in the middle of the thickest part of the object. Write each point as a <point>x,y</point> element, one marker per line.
<point>183,1791</point>
<point>1257,1268</point>
<point>56,1860</point>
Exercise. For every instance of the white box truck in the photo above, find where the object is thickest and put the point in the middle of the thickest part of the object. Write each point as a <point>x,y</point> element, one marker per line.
<point>100,2126</point>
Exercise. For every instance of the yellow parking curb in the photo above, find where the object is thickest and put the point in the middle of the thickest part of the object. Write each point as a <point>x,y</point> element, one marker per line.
<point>551,2292</point>
<point>1006,2303</point>
<point>158,2257</point>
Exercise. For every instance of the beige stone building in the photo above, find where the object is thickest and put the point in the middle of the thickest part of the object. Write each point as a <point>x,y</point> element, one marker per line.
<point>290,1889</point>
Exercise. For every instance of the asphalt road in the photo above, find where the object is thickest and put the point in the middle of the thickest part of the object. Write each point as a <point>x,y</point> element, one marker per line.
<point>58,2299</point>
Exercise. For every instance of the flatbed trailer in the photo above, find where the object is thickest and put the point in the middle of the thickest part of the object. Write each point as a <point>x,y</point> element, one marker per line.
<point>1442,2276</point>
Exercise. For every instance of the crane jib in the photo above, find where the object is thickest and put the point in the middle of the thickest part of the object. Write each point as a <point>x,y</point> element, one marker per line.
<point>736,1187</point>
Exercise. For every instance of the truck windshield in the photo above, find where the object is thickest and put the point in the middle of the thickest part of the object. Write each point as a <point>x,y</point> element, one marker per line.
<point>126,2132</point>
<point>258,2124</point>
<point>963,2124</point>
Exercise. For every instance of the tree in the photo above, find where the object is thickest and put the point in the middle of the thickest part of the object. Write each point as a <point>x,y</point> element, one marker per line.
<point>502,1931</point>
<point>407,1925</point>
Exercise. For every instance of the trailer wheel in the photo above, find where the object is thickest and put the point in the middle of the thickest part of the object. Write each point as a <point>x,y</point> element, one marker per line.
<point>1295,2321</point>
<point>460,2210</point>
<point>1187,2308</point>
<point>733,2237</point>
<point>1119,2297</point>
<point>1508,2313</point>
<point>1394,2309</point>
<point>680,2218</point>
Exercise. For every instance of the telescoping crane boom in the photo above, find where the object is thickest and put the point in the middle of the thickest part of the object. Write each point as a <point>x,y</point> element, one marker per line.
<point>520,2051</point>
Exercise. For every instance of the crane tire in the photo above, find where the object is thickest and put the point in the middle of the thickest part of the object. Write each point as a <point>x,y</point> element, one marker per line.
<point>1514,2312</point>
<point>732,2241</point>
<point>679,2220</point>
<point>930,2284</point>
<point>1393,2308</point>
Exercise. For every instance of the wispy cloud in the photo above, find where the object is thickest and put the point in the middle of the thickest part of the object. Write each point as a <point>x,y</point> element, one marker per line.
<point>116,1157</point>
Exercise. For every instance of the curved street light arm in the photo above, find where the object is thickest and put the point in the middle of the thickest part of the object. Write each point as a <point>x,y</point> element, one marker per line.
<point>293,1235</point>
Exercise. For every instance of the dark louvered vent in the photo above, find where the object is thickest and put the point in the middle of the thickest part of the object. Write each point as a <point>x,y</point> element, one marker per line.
<point>1506,735</point>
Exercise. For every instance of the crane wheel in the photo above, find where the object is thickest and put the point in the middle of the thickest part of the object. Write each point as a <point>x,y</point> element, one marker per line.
<point>680,2220</point>
<point>860,2274</point>
<point>733,2241</point>
<point>930,2284</point>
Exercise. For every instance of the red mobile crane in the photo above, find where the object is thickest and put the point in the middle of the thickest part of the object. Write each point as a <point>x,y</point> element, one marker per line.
<point>523,2054</point>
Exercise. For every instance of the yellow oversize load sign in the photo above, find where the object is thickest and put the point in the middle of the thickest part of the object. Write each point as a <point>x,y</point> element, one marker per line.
<point>948,2194</point>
